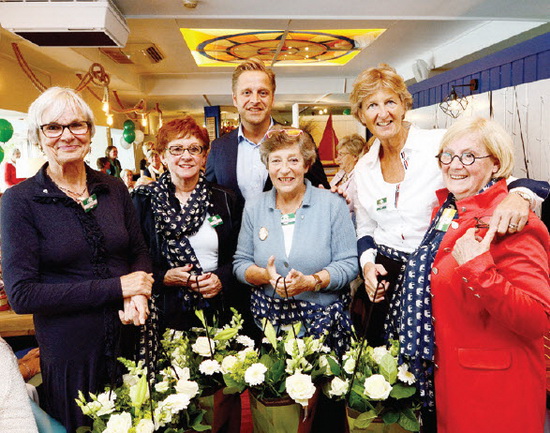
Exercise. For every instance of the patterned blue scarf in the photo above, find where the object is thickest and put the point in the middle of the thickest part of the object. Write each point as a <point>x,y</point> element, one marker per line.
<point>174,226</point>
<point>332,320</point>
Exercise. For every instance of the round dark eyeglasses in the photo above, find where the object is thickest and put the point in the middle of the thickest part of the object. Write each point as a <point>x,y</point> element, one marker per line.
<point>180,150</point>
<point>467,158</point>
<point>54,130</point>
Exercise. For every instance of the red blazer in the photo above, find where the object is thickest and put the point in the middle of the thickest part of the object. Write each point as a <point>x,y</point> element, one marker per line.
<point>490,316</point>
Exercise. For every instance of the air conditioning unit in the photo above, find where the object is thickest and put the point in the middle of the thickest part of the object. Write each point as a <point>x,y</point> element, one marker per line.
<point>96,23</point>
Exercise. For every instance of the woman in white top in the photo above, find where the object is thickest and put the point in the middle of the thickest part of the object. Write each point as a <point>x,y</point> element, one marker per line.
<point>191,227</point>
<point>396,183</point>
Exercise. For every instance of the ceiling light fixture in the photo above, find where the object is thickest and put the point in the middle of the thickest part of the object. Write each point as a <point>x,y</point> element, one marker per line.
<point>455,104</point>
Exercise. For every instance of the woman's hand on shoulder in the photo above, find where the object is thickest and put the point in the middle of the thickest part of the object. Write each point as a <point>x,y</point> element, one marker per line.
<point>136,283</point>
<point>511,214</point>
<point>337,190</point>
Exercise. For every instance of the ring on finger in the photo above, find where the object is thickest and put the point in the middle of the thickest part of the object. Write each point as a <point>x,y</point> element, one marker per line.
<point>513,226</point>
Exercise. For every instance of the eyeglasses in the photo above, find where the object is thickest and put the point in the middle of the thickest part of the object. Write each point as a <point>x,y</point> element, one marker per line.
<point>54,130</point>
<point>180,150</point>
<point>467,158</point>
<point>288,132</point>
<point>483,222</point>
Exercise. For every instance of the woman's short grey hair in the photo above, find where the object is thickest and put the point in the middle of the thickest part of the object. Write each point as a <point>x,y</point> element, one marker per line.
<point>55,101</point>
<point>276,139</point>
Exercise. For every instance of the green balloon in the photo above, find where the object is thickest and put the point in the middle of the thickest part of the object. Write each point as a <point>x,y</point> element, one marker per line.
<point>347,112</point>
<point>129,126</point>
<point>129,135</point>
<point>1,154</point>
<point>6,130</point>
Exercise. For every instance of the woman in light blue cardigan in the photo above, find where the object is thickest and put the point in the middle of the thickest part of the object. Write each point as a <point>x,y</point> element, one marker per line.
<point>297,244</point>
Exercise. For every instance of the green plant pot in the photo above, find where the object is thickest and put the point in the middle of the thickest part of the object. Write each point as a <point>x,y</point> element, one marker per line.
<point>223,411</point>
<point>282,415</point>
<point>376,426</point>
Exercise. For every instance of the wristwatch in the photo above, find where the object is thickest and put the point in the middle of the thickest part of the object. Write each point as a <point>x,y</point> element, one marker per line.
<point>318,282</point>
<point>524,196</point>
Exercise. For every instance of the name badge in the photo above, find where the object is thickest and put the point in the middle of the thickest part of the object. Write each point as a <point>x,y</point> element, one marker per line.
<point>215,220</point>
<point>89,203</point>
<point>381,203</point>
<point>445,220</point>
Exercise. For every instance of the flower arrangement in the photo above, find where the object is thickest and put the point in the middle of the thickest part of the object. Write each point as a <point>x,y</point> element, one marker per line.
<point>169,405</point>
<point>381,387</point>
<point>207,351</point>
<point>287,366</point>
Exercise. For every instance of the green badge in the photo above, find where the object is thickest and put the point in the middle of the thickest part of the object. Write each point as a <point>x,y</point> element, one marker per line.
<point>381,203</point>
<point>89,203</point>
<point>445,220</point>
<point>215,220</point>
<point>288,218</point>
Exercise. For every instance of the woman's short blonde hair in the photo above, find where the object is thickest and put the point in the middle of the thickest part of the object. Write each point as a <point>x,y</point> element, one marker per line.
<point>354,144</point>
<point>489,133</point>
<point>277,138</point>
<point>56,100</point>
<point>372,80</point>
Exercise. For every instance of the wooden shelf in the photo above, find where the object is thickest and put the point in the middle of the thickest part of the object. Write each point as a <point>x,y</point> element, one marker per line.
<point>15,325</point>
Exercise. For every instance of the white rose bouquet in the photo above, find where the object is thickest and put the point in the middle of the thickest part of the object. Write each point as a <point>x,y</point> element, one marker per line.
<point>381,387</point>
<point>170,404</point>
<point>286,366</point>
<point>209,351</point>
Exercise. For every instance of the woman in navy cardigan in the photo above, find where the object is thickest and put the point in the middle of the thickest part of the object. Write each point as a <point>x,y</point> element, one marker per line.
<point>297,244</point>
<point>72,252</point>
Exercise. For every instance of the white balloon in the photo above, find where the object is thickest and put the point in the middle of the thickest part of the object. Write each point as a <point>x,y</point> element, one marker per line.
<point>140,136</point>
<point>124,144</point>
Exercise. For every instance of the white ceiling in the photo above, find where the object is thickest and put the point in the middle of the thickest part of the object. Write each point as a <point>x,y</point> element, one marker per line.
<point>441,32</point>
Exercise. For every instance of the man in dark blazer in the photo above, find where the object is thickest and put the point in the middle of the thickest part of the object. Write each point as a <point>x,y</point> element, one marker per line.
<point>234,159</point>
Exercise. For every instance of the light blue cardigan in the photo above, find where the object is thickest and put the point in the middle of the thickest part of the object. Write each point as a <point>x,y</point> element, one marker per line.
<point>324,238</point>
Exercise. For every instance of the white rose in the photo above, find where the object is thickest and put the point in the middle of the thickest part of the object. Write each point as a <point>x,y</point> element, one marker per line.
<point>349,366</point>
<point>404,375</point>
<point>175,403</point>
<point>379,353</point>
<point>107,401</point>
<point>255,374</point>
<point>338,387</point>
<point>119,423</point>
<point>377,387</point>
<point>209,367</point>
<point>228,364</point>
<point>145,426</point>
<point>188,388</point>
<point>300,388</point>
<point>204,346</point>
<point>245,341</point>
<point>162,386</point>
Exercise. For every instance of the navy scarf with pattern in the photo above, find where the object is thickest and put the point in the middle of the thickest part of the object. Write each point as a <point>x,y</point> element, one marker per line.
<point>175,225</point>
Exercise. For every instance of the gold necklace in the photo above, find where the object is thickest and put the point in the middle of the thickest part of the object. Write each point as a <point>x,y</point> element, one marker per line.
<point>77,195</point>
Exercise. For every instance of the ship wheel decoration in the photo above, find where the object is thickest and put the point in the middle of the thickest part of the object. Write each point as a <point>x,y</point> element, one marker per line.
<point>292,47</point>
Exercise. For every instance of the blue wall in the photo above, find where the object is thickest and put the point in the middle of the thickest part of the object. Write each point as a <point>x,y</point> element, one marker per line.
<point>523,63</point>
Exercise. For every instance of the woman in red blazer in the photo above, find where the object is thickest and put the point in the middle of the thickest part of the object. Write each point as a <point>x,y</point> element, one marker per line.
<point>489,295</point>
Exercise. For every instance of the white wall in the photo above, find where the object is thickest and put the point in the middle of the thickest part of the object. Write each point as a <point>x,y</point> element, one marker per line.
<point>523,110</point>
